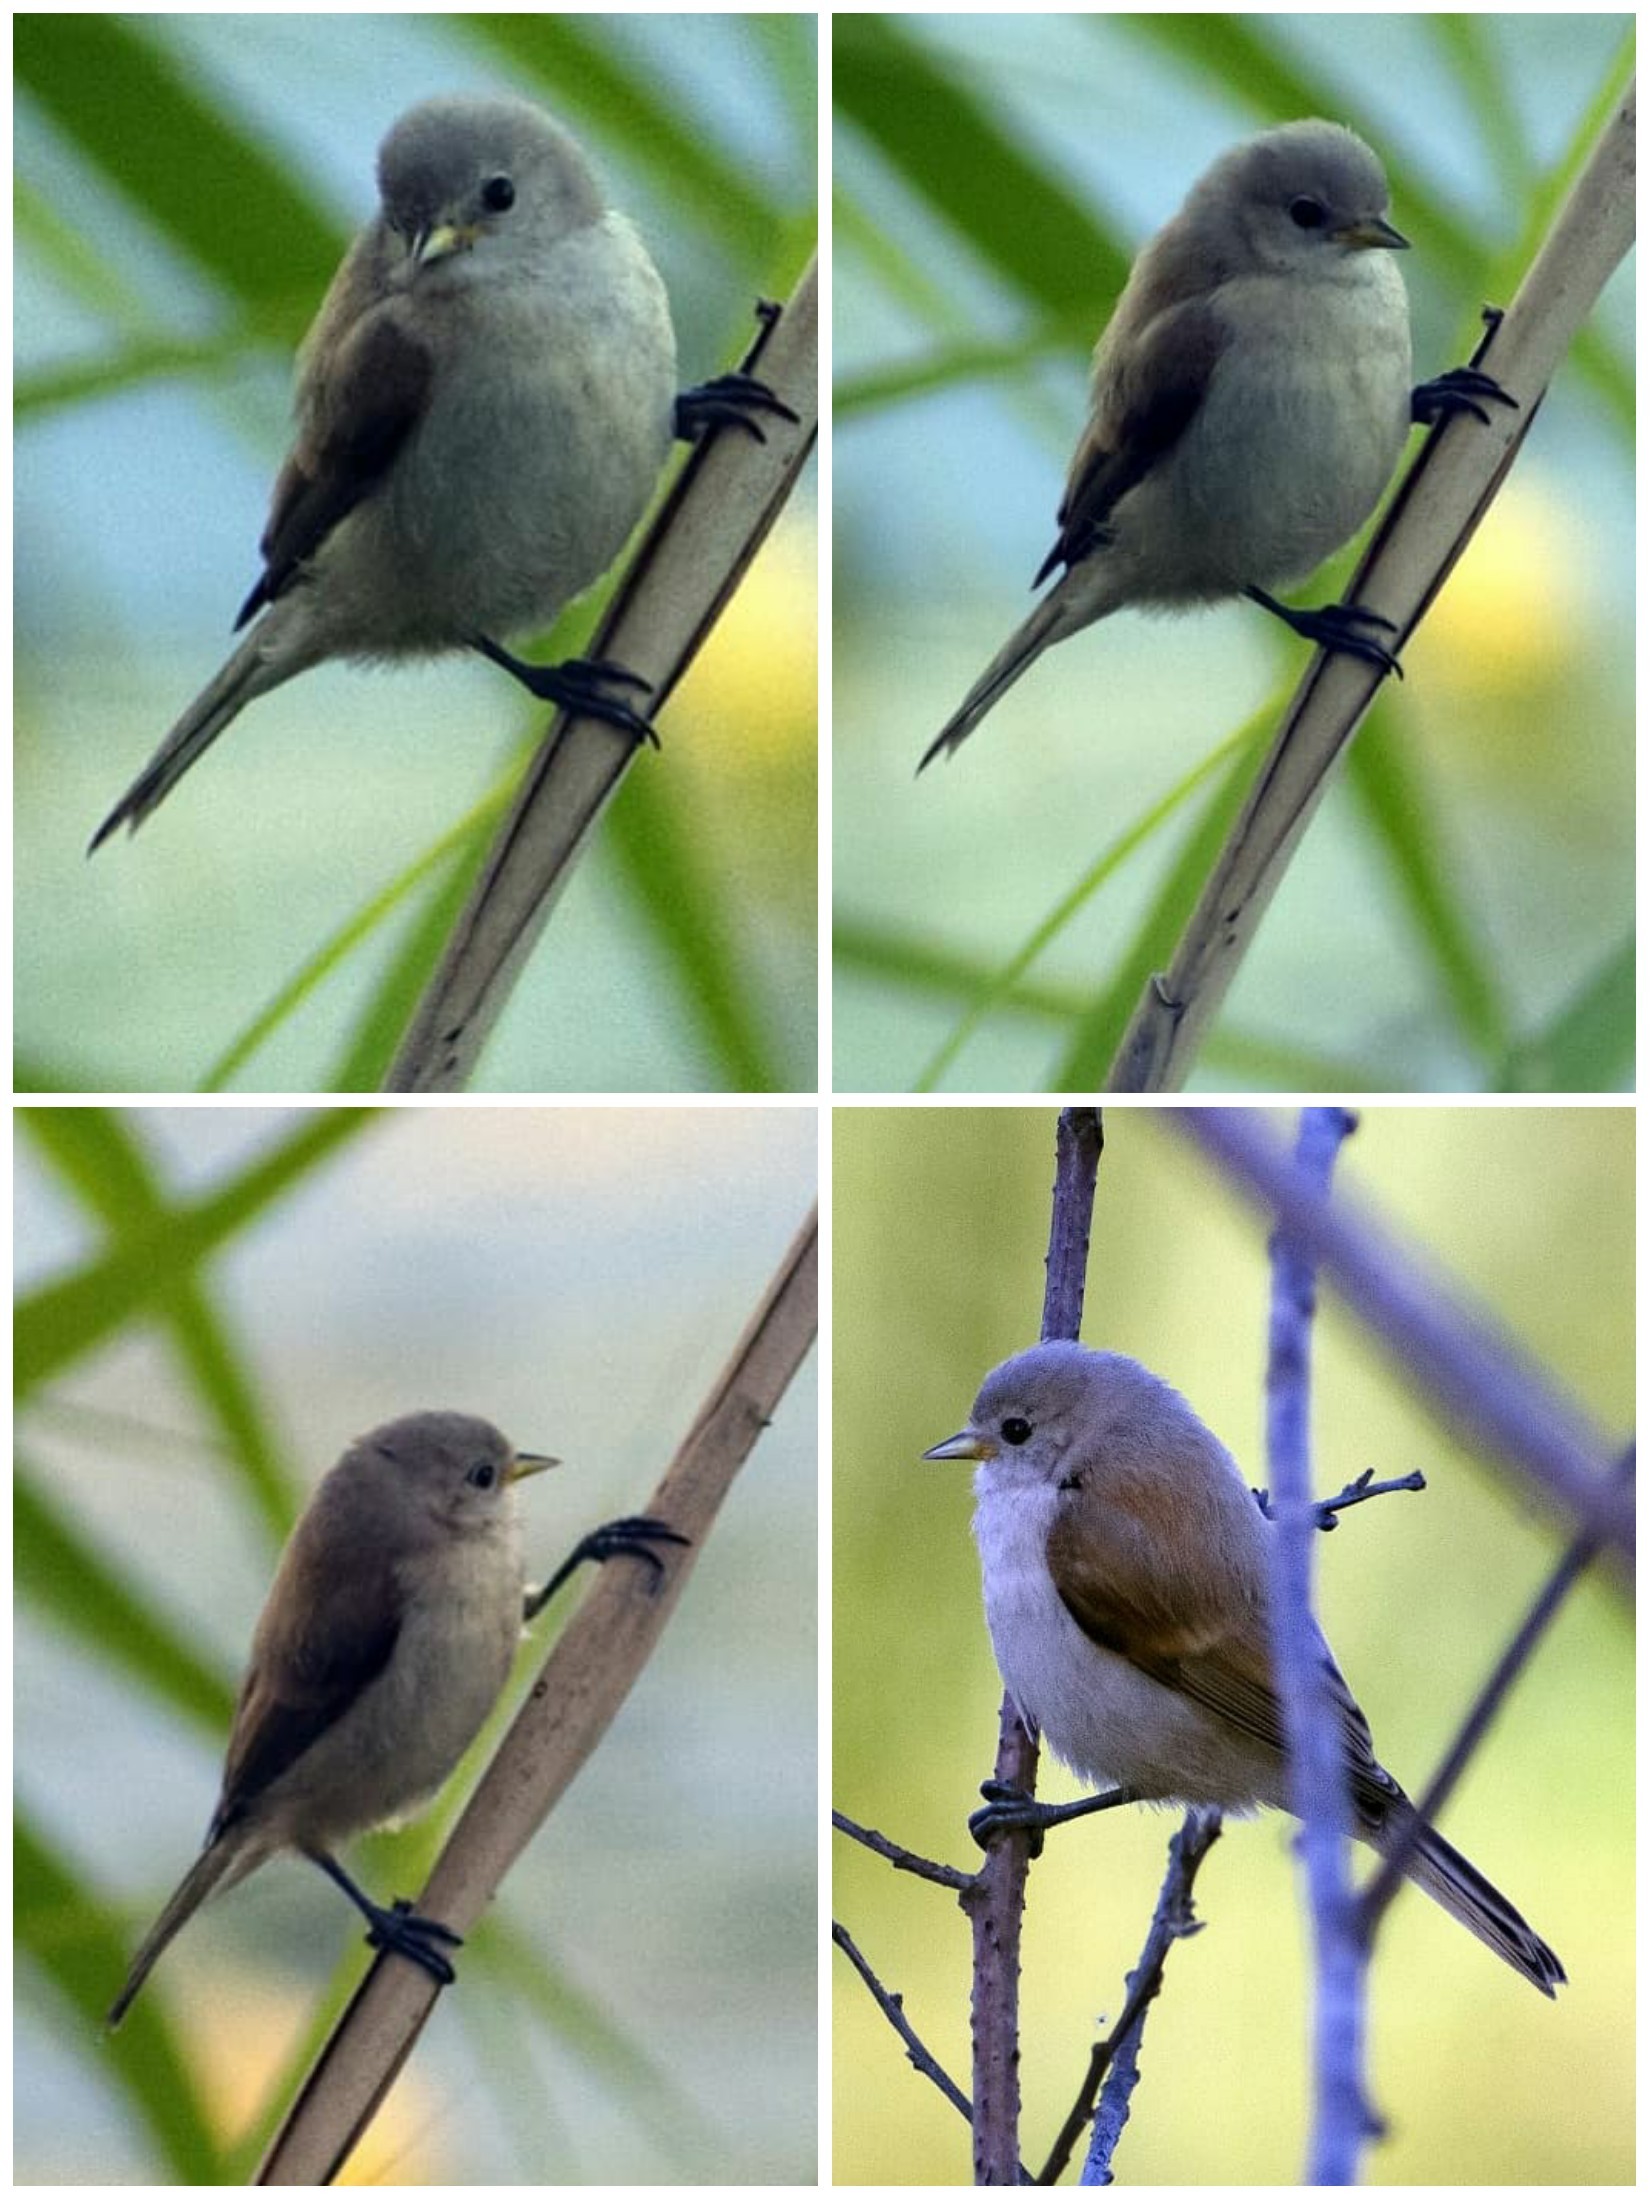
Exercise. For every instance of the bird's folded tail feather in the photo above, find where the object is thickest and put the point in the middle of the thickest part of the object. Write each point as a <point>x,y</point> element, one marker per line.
<point>248,672</point>
<point>1461,1888</point>
<point>203,1877</point>
<point>1050,622</point>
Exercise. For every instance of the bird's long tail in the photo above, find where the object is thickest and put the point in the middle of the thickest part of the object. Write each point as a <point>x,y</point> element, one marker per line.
<point>204,1876</point>
<point>1051,621</point>
<point>248,672</point>
<point>1444,1873</point>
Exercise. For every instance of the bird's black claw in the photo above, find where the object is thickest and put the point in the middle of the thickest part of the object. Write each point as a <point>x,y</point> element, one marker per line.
<point>1459,391</point>
<point>728,401</point>
<point>603,669</point>
<point>632,1537</point>
<point>404,1932</point>
<point>581,684</point>
<point>1009,1809</point>
<point>1338,626</point>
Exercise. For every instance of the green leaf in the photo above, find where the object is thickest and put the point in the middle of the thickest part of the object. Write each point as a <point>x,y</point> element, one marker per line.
<point>1396,804</point>
<point>951,152</point>
<point>1588,1045</point>
<point>379,1028</point>
<point>60,1573</point>
<point>652,840</point>
<point>99,1153</point>
<point>67,1937</point>
<point>1119,996</point>
<point>1097,1038</point>
<point>59,1322</point>
<point>951,974</point>
<point>369,1045</point>
<point>111,86</point>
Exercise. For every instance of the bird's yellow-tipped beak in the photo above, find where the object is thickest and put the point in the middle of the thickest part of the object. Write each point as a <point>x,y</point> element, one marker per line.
<point>968,1443</point>
<point>1372,234</point>
<point>441,242</point>
<point>530,1462</point>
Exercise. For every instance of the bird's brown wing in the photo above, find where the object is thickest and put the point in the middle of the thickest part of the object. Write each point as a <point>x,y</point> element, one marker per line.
<point>362,416</point>
<point>326,1634</point>
<point>1200,1631</point>
<point>1141,412</point>
<point>1238,1688</point>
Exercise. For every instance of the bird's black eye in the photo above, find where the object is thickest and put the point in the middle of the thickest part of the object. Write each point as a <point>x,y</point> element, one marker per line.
<point>498,194</point>
<point>483,1474</point>
<point>1308,213</point>
<point>1016,1430</point>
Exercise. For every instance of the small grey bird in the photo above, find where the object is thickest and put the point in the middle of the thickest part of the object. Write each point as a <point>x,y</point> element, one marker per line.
<point>388,1633</point>
<point>1127,1592</point>
<point>1249,400</point>
<point>484,406</point>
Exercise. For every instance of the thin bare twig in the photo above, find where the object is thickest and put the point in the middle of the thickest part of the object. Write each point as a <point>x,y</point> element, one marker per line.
<point>893,2008</point>
<point>993,1902</point>
<point>1079,1141</point>
<point>902,1859</point>
<point>1326,1509</point>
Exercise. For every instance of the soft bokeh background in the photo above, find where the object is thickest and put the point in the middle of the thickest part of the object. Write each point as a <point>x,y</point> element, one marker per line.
<point>640,2004</point>
<point>186,184</point>
<point>1461,913</point>
<point>940,1225</point>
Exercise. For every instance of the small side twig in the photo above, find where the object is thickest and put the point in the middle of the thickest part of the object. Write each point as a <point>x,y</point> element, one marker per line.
<point>893,2008</point>
<point>1354,1493</point>
<point>902,1859</point>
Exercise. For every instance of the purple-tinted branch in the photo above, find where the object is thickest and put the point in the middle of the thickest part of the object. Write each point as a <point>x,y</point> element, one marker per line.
<point>1509,1665</point>
<point>993,1902</point>
<point>1326,1508</point>
<point>1318,1792</point>
<point>1452,1352</point>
